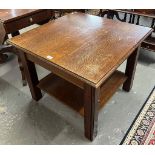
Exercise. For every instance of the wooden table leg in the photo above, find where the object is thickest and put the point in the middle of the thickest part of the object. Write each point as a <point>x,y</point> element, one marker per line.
<point>130,69</point>
<point>19,61</point>
<point>91,105</point>
<point>24,82</point>
<point>31,76</point>
<point>3,37</point>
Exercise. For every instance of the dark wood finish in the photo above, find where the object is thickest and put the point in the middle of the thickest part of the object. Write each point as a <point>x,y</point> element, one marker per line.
<point>91,106</point>
<point>28,20</point>
<point>130,19</point>
<point>152,24</point>
<point>22,71</point>
<point>12,20</point>
<point>2,34</point>
<point>130,69</point>
<point>138,17</point>
<point>7,15</point>
<point>31,76</point>
<point>133,19</point>
<point>3,57</point>
<point>19,61</point>
<point>85,53</point>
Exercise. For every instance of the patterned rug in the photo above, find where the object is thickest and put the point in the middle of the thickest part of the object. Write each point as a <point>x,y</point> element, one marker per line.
<point>142,130</point>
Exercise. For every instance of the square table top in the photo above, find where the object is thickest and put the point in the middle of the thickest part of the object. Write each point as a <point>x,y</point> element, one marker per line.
<point>86,46</point>
<point>7,15</point>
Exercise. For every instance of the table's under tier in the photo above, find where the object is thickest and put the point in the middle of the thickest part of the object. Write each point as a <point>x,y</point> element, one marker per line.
<point>72,95</point>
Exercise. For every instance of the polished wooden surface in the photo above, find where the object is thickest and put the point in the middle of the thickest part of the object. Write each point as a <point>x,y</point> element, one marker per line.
<point>88,47</point>
<point>9,14</point>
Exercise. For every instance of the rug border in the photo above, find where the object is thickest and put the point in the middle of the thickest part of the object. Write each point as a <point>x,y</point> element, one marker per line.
<point>136,117</point>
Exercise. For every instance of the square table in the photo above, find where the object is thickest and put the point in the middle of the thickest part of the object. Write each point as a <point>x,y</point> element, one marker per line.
<point>83,53</point>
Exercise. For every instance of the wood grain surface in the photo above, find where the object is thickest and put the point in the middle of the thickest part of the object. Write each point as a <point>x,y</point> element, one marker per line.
<point>86,46</point>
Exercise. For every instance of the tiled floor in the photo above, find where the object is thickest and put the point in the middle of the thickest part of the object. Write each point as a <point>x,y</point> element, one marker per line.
<point>23,121</point>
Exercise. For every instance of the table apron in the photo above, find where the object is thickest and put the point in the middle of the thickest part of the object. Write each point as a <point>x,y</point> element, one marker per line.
<point>60,72</point>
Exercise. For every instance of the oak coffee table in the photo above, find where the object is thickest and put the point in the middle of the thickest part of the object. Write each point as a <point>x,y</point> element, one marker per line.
<point>83,53</point>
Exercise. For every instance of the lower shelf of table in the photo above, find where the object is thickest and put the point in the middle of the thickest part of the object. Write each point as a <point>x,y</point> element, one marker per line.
<point>72,95</point>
